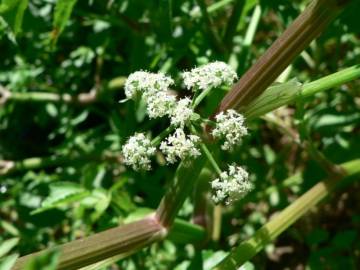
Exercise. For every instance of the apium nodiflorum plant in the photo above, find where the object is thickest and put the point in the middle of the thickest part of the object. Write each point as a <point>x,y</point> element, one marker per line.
<point>182,140</point>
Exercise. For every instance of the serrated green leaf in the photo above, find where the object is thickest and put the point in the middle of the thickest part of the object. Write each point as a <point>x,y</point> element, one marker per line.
<point>13,12</point>
<point>8,245</point>
<point>62,14</point>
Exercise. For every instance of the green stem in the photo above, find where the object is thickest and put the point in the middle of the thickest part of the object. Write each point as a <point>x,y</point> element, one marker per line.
<point>287,93</point>
<point>200,97</point>
<point>124,240</point>
<point>271,230</point>
<point>157,140</point>
<point>210,158</point>
<point>331,81</point>
<point>185,177</point>
<point>207,153</point>
<point>36,163</point>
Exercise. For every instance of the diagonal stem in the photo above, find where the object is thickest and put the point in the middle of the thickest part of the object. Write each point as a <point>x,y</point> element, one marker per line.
<point>271,230</point>
<point>282,52</point>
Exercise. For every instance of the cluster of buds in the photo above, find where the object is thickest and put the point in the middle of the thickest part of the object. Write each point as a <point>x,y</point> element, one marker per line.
<point>154,88</point>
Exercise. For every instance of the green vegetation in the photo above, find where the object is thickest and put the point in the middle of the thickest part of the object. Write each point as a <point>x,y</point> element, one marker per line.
<point>67,198</point>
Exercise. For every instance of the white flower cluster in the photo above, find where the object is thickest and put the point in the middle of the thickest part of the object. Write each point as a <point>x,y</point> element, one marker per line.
<point>232,185</point>
<point>209,76</point>
<point>137,152</point>
<point>160,104</point>
<point>147,83</point>
<point>154,88</point>
<point>182,113</point>
<point>180,146</point>
<point>230,127</point>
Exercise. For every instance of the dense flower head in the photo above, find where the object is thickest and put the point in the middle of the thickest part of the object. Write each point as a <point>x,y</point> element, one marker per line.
<point>160,104</point>
<point>182,113</point>
<point>180,146</point>
<point>146,83</point>
<point>137,152</point>
<point>230,127</point>
<point>209,76</point>
<point>232,185</point>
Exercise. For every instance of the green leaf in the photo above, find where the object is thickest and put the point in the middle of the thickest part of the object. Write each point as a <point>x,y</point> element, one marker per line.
<point>13,12</point>
<point>8,245</point>
<point>47,261</point>
<point>62,14</point>
<point>62,193</point>
<point>8,262</point>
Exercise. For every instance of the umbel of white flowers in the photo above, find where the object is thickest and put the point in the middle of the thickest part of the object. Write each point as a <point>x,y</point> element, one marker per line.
<point>180,146</point>
<point>154,89</point>
<point>208,76</point>
<point>230,127</point>
<point>137,152</point>
<point>232,185</point>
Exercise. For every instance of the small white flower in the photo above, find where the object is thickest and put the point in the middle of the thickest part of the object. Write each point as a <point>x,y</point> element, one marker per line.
<point>180,146</point>
<point>209,76</point>
<point>137,152</point>
<point>160,104</point>
<point>182,112</point>
<point>232,185</point>
<point>146,83</point>
<point>230,127</point>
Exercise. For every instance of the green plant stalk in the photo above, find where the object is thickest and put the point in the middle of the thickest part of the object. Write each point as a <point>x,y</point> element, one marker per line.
<point>36,163</point>
<point>83,98</point>
<point>157,140</point>
<point>283,94</point>
<point>182,232</point>
<point>207,153</point>
<point>122,239</point>
<point>331,81</point>
<point>271,230</point>
<point>296,38</point>
<point>185,177</point>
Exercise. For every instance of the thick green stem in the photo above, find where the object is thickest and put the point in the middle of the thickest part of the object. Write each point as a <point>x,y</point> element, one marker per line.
<point>175,195</point>
<point>331,81</point>
<point>271,230</point>
<point>296,38</point>
<point>124,239</point>
<point>287,93</point>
